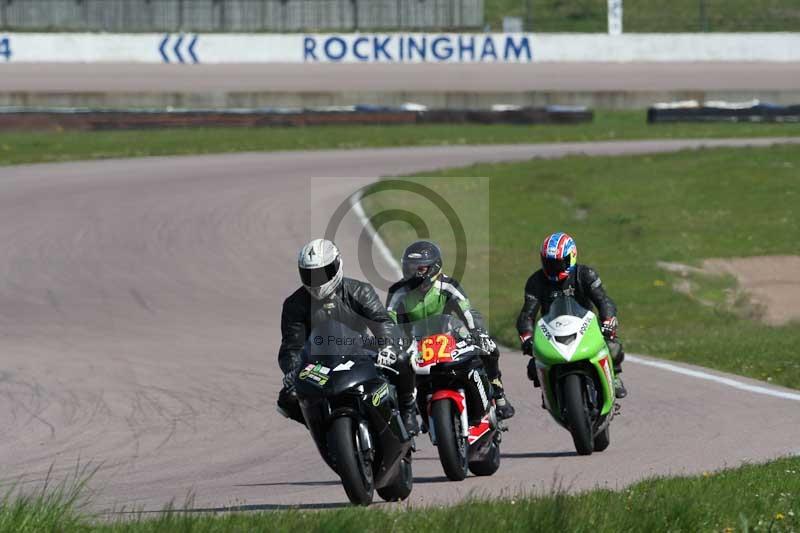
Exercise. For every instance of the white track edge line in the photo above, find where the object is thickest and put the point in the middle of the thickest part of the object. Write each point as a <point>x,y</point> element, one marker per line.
<point>717,379</point>
<point>387,255</point>
<point>374,235</point>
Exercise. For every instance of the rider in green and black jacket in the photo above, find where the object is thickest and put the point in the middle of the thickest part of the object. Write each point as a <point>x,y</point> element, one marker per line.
<point>426,291</point>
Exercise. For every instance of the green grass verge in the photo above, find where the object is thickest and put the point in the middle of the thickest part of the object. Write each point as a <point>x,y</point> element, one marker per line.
<point>751,498</point>
<point>34,147</point>
<point>627,214</point>
<point>649,15</point>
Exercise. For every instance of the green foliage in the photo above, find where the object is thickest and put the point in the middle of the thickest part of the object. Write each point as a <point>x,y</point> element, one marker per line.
<point>757,498</point>
<point>47,508</point>
<point>38,147</point>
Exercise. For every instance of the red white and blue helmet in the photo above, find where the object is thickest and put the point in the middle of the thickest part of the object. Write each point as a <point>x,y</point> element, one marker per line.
<point>559,256</point>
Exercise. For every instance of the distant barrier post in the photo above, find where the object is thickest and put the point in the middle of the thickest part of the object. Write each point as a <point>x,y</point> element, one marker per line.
<point>615,17</point>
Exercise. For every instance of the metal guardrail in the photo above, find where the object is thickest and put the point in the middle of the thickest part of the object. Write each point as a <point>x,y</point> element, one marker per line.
<point>238,15</point>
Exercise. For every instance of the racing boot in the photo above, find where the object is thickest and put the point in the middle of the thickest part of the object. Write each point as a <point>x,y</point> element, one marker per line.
<point>408,413</point>
<point>617,356</point>
<point>533,375</point>
<point>619,388</point>
<point>504,408</point>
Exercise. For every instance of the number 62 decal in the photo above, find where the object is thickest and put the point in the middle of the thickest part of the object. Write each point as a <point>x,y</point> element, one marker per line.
<point>436,348</point>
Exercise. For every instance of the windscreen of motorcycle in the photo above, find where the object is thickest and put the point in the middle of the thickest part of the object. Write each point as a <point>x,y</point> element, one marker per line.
<point>444,323</point>
<point>333,340</point>
<point>565,306</point>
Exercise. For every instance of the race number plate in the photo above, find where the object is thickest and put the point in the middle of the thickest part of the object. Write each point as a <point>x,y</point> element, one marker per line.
<point>435,349</point>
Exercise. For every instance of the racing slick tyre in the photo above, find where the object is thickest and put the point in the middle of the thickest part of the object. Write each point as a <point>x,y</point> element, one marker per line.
<point>577,414</point>
<point>489,464</point>
<point>401,487</point>
<point>603,439</point>
<point>353,468</point>
<point>452,446</point>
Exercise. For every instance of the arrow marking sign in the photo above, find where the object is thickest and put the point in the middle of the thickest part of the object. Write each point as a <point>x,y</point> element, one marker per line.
<point>164,49</point>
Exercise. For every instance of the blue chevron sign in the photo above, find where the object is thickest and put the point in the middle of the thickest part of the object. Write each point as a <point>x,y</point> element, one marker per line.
<point>180,50</point>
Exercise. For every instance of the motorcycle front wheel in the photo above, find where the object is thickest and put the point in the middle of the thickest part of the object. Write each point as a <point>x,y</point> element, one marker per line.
<point>351,465</point>
<point>452,446</point>
<point>577,414</point>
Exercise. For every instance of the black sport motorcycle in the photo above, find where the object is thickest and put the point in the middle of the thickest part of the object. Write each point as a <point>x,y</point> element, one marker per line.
<point>352,412</point>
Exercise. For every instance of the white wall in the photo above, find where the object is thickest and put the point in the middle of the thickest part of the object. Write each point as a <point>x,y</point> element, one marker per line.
<point>397,47</point>
<point>668,47</point>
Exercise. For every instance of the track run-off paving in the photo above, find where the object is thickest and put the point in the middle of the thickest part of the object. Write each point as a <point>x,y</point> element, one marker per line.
<point>60,78</point>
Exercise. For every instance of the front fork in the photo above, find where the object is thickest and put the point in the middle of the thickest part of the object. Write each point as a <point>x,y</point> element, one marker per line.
<point>461,406</point>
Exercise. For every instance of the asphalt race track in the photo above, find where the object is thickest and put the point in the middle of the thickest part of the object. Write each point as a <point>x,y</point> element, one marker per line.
<point>466,78</point>
<point>139,327</point>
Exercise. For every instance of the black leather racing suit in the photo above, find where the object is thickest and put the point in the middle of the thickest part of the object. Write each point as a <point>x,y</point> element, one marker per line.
<point>585,286</point>
<point>354,304</point>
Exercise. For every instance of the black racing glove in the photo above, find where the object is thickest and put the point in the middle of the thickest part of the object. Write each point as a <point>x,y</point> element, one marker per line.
<point>482,339</point>
<point>527,343</point>
<point>609,328</point>
<point>288,381</point>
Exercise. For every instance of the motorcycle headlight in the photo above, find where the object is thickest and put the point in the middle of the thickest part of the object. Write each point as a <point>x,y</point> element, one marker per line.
<point>567,339</point>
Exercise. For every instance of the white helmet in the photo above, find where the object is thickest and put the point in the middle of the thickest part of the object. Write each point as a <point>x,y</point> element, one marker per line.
<point>320,268</point>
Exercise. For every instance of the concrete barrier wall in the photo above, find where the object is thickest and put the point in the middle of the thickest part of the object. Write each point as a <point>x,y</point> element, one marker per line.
<point>668,47</point>
<point>395,47</point>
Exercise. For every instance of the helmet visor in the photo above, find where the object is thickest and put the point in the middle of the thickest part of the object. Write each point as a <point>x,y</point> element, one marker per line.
<point>317,277</point>
<point>553,267</point>
<point>416,269</point>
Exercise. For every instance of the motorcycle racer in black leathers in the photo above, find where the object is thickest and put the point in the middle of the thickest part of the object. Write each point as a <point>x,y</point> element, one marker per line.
<point>561,274</point>
<point>426,291</point>
<point>327,295</point>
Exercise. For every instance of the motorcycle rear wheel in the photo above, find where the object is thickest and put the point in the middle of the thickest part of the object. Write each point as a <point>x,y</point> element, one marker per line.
<point>577,414</point>
<point>401,487</point>
<point>453,448</point>
<point>355,472</point>
<point>603,439</point>
<point>489,464</point>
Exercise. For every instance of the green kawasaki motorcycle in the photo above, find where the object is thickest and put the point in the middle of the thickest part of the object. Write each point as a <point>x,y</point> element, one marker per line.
<point>576,373</point>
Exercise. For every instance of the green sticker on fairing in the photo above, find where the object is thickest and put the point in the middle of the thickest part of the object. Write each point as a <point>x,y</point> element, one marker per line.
<point>316,374</point>
<point>380,394</point>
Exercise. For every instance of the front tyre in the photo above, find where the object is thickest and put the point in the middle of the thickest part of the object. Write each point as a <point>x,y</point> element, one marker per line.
<point>351,465</point>
<point>401,487</point>
<point>577,414</point>
<point>452,446</point>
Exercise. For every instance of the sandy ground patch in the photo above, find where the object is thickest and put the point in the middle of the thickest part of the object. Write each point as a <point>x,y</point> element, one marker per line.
<point>772,283</point>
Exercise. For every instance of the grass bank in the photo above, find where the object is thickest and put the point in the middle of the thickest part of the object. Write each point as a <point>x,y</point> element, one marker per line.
<point>38,147</point>
<point>751,498</point>
<point>649,15</point>
<point>627,214</point>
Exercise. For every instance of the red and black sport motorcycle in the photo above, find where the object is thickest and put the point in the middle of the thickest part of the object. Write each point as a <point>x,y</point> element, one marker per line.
<point>455,397</point>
